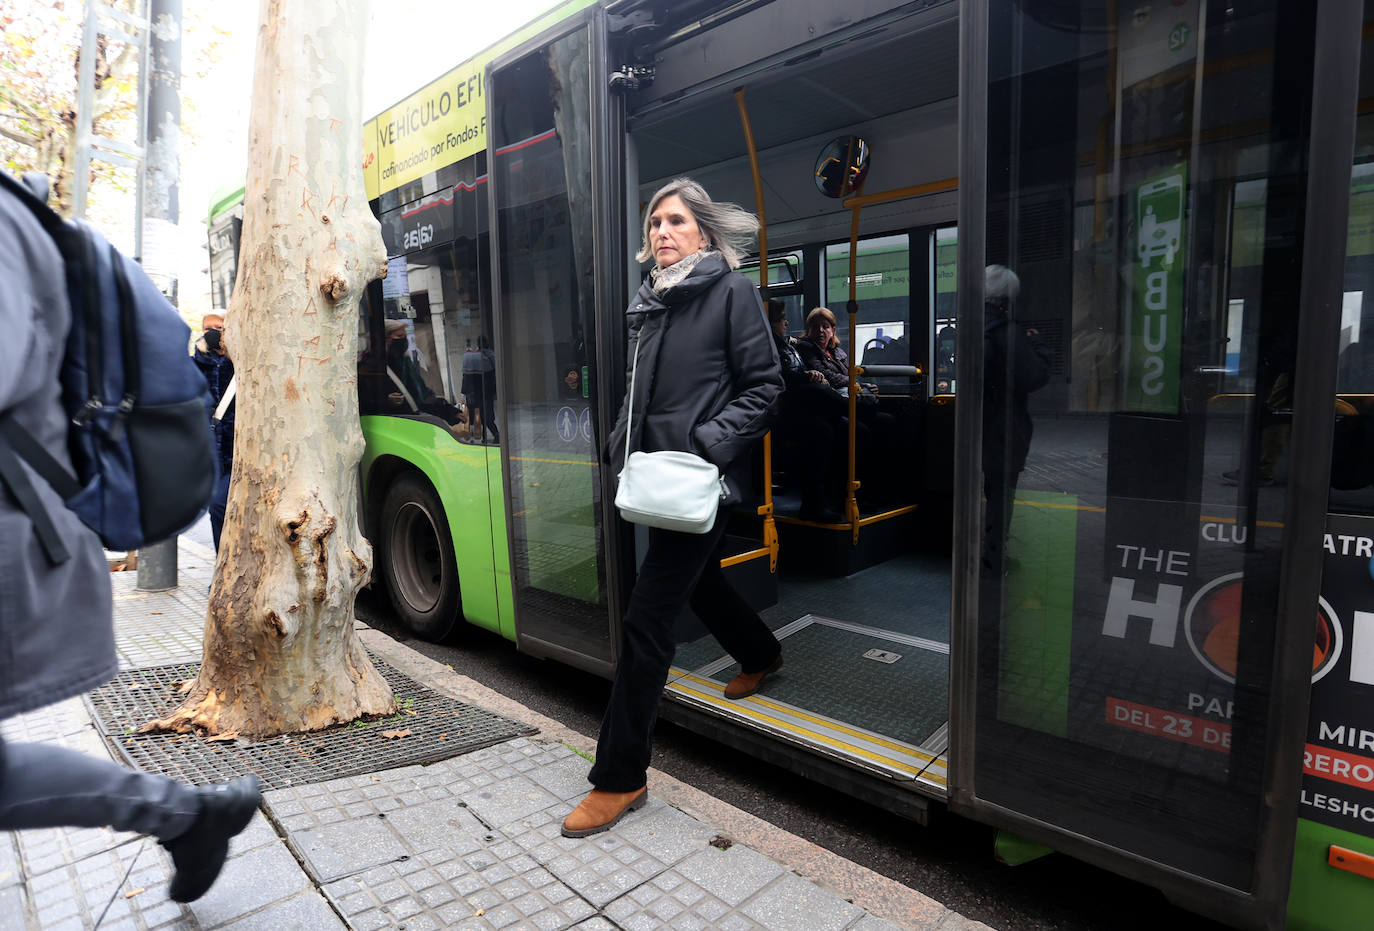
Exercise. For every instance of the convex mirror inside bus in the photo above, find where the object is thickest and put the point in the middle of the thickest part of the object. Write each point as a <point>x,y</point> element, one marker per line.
<point>842,166</point>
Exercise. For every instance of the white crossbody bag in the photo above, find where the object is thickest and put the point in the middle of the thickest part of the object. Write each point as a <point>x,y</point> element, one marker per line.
<point>668,489</point>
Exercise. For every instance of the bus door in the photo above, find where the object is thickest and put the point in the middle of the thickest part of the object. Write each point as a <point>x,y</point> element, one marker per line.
<point>550,239</point>
<point>1135,600</point>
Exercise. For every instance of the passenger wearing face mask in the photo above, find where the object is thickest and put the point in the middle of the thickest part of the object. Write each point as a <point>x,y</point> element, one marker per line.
<point>212,358</point>
<point>409,391</point>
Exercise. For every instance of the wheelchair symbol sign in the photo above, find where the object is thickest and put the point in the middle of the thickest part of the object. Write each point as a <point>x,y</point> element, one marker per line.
<point>566,422</point>
<point>585,422</point>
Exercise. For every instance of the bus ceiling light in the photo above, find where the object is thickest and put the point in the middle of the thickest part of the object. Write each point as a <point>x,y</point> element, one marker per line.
<point>632,78</point>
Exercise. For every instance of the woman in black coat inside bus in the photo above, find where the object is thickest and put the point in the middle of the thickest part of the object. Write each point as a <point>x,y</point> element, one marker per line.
<point>708,383</point>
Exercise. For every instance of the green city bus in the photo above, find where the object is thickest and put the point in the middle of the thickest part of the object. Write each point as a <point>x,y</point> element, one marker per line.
<point>1123,668</point>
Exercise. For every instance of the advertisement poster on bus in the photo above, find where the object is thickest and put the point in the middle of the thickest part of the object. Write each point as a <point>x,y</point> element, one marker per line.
<point>1338,759</point>
<point>1154,659</point>
<point>440,124</point>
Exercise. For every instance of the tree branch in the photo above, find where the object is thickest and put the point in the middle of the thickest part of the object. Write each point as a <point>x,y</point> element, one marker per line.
<point>14,135</point>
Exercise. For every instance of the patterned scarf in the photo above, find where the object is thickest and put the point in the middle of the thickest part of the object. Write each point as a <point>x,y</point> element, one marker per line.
<point>661,279</point>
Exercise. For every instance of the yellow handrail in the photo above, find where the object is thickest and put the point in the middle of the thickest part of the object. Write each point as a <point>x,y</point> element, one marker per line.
<point>856,203</point>
<point>770,530</point>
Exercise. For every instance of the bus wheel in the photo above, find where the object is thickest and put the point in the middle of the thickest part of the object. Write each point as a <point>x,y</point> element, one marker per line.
<point>417,559</point>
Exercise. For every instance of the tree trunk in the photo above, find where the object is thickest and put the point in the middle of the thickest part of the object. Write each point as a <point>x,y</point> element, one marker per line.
<point>280,654</point>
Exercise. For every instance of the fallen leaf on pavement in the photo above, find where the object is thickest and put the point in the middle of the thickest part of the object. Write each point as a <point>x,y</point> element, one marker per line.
<point>138,685</point>
<point>219,738</point>
<point>154,612</point>
<point>186,686</point>
<point>404,733</point>
<point>133,892</point>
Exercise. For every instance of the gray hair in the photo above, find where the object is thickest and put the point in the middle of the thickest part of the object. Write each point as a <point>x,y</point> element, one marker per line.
<point>1000,284</point>
<point>728,228</point>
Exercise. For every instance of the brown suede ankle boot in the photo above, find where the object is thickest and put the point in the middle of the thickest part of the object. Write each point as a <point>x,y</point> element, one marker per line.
<point>601,810</point>
<point>747,683</point>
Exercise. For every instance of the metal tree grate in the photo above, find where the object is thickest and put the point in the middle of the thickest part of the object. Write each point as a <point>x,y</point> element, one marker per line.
<point>439,727</point>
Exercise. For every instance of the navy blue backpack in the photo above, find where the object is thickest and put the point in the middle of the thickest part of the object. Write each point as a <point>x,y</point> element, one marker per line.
<point>139,408</point>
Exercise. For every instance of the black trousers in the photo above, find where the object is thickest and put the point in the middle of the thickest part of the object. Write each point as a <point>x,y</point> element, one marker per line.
<point>679,568</point>
<point>44,786</point>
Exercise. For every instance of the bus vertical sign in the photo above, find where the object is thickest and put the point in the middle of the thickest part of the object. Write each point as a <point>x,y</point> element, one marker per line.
<point>1157,294</point>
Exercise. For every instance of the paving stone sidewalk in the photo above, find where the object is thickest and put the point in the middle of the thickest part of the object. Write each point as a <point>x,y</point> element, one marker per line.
<point>471,842</point>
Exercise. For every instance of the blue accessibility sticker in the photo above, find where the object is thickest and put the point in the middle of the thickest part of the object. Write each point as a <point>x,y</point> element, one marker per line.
<point>566,421</point>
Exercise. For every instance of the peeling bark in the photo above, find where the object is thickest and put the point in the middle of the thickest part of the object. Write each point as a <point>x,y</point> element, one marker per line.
<point>280,654</point>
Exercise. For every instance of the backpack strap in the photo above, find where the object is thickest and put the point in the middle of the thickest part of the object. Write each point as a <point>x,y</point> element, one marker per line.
<point>16,443</point>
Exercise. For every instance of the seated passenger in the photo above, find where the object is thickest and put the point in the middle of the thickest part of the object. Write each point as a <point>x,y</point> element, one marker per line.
<point>393,384</point>
<point>815,416</point>
<point>820,351</point>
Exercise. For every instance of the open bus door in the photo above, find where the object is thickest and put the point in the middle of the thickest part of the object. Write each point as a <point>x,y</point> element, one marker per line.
<point>1130,666</point>
<point>553,244</point>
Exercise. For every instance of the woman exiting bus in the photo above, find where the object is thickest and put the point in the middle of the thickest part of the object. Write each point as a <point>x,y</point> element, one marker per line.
<point>707,383</point>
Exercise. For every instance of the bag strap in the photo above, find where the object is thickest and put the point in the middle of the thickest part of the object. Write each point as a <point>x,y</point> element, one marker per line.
<point>400,386</point>
<point>227,397</point>
<point>630,415</point>
<point>17,443</point>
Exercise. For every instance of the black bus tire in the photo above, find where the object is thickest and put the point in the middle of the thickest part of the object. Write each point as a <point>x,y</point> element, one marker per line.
<point>415,554</point>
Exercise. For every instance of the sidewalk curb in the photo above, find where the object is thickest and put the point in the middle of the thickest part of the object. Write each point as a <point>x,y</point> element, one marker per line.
<point>877,894</point>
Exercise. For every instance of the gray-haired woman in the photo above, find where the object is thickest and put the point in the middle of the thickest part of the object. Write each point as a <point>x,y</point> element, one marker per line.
<point>707,382</point>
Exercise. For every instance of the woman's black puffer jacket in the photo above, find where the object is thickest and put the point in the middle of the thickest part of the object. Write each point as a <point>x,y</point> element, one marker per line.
<point>708,380</point>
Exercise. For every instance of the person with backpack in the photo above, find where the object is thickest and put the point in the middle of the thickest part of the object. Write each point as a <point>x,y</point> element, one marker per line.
<point>211,356</point>
<point>56,620</point>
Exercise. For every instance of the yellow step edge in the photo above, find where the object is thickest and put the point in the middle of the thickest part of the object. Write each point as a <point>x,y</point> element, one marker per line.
<point>741,709</point>
<point>827,723</point>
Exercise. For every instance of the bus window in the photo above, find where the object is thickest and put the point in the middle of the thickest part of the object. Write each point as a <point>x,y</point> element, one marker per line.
<point>944,334</point>
<point>435,295</point>
<point>1352,454</point>
<point>884,295</point>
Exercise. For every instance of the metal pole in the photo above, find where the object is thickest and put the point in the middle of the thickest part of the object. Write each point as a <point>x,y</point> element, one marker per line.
<point>157,564</point>
<point>85,101</point>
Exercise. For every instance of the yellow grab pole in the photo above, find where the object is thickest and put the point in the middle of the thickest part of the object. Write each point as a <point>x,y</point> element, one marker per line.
<point>770,530</point>
<point>758,186</point>
<point>851,502</point>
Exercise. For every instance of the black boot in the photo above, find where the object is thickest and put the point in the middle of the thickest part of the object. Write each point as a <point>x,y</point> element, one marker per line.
<point>199,853</point>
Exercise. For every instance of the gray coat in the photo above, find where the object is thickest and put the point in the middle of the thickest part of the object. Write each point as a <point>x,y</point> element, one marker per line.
<point>56,635</point>
<point>708,379</point>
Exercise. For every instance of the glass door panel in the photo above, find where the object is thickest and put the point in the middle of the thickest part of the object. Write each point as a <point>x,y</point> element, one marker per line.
<point>1145,185</point>
<point>541,172</point>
